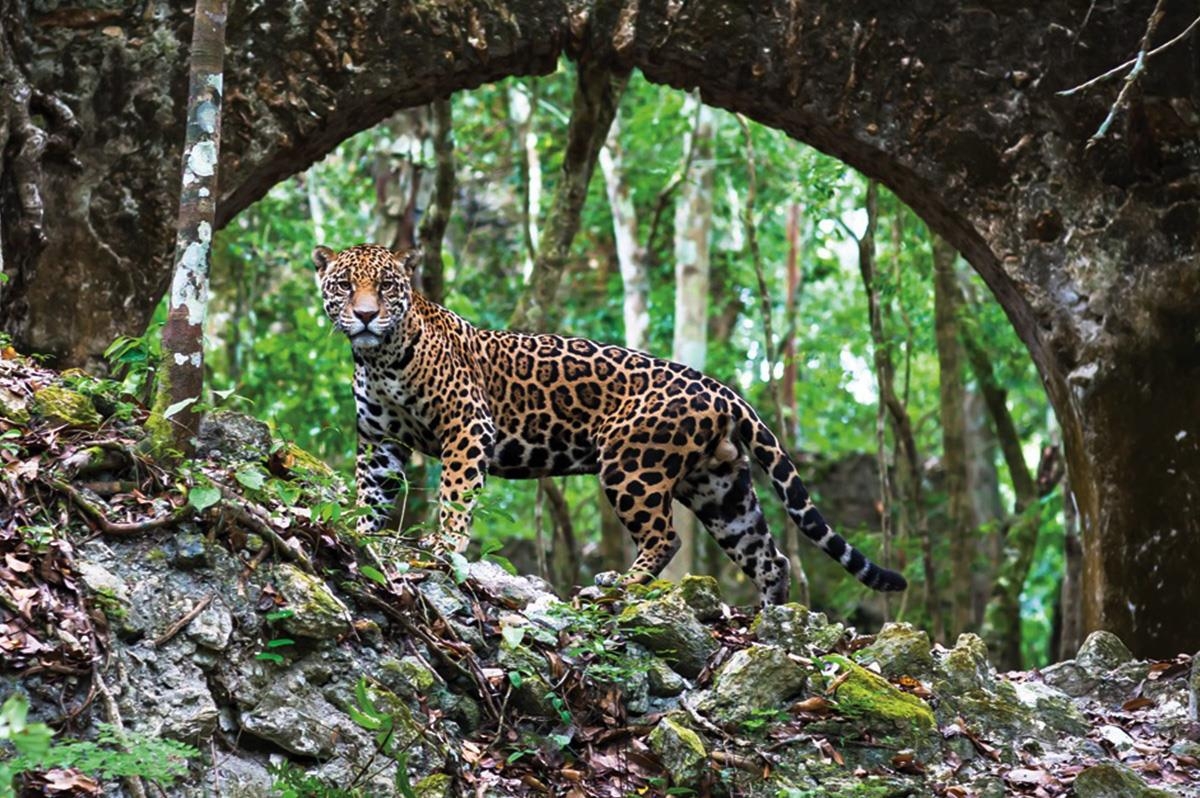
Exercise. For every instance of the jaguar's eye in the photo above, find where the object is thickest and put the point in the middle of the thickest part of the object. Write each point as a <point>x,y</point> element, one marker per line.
<point>387,285</point>
<point>345,285</point>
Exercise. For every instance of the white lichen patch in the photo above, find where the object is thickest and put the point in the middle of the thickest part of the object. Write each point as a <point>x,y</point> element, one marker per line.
<point>202,160</point>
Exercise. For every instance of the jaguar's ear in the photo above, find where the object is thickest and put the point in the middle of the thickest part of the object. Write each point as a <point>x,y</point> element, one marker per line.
<point>322,257</point>
<point>410,260</point>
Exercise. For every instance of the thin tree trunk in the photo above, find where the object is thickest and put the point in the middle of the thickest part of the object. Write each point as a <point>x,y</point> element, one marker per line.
<point>615,544</point>
<point>790,308</point>
<point>1071,594</point>
<point>635,281</point>
<point>901,424</point>
<point>693,226</point>
<point>597,93</point>
<point>951,393</point>
<point>437,215</point>
<point>770,353</point>
<point>175,421</point>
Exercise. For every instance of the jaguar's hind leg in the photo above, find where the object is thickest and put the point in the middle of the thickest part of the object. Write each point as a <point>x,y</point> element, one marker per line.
<point>722,496</point>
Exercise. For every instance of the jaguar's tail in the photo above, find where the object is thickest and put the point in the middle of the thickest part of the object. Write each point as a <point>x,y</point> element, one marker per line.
<point>764,447</point>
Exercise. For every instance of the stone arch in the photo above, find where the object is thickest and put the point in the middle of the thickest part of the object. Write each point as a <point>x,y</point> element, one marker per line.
<point>1091,252</point>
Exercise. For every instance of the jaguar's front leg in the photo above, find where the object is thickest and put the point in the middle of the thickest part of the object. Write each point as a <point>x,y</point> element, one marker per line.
<point>465,458</point>
<point>379,473</point>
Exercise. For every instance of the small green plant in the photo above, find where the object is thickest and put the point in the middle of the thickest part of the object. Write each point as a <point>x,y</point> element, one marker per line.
<point>597,642</point>
<point>111,755</point>
<point>382,725</point>
<point>268,654</point>
<point>133,361</point>
<point>760,719</point>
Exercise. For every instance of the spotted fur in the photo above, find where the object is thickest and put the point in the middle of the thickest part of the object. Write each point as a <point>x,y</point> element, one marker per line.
<point>519,406</point>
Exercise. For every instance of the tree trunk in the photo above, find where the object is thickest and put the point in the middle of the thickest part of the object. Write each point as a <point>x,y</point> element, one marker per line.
<point>693,227</point>
<point>951,395</point>
<point>631,256</point>
<point>175,419</point>
<point>1091,250</point>
<point>597,92</point>
<point>437,214</point>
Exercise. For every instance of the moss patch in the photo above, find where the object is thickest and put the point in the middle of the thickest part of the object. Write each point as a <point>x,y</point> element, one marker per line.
<point>866,696</point>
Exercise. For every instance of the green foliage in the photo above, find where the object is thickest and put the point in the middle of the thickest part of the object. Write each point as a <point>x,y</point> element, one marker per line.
<point>111,755</point>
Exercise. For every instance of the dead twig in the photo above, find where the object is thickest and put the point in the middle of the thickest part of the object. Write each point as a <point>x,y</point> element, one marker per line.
<point>235,505</point>
<point>113,527</point>
<point>113,713</point>
<point>1131,62</point>
<point>191,614</point>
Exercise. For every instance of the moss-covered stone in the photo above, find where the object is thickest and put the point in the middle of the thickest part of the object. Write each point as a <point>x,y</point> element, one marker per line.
<point>965,667</point>
<point>703,595</point>
<point>680,750</point>
<point>868,697</point>
<point>408,677</point>
<point>755,678</point>
<point>1110,780</point>
<point>1100,653</point>
<point>797,629</point>
<point>435,785</point>
<point>667,626</point>
<point>60,405</point>
<point>900,650</point>
<point>662,681</point>
<point>526,670</point>
<point>317,613</point>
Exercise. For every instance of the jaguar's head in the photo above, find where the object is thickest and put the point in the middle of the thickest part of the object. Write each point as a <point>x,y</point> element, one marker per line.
<point>367,289</point>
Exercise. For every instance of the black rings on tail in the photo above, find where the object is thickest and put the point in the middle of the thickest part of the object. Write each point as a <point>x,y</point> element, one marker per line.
<point>766,451</point>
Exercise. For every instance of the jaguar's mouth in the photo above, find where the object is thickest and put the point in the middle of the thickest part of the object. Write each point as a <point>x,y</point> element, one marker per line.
<point>365,339</point>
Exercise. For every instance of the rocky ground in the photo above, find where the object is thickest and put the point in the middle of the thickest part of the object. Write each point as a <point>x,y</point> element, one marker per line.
<point>225,605</point>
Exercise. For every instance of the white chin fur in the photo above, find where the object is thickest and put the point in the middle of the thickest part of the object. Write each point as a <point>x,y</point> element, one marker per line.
<point>365,340</point>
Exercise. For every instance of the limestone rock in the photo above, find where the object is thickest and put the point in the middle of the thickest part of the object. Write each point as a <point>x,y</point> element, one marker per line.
<point>1100,653</point>
<point>664,682</point>
<point>211,628</point>
<point>703,595</point>
<point>752,679</point>
<point>318,614</point>
<point>1051,708</point>
<point>900,650</point>
<point>668,627</point>
<point>1110,780</point>
<point>13,406</point>
<point>965,667</point>
<point>188,550</point>
<point>1193,688</point>
<point>228,436</point>
<point>681,750</point>
<point>797,629</point>
<point>515,591</point>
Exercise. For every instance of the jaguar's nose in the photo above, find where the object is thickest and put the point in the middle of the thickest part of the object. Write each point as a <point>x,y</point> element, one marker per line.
<point>366,316</point>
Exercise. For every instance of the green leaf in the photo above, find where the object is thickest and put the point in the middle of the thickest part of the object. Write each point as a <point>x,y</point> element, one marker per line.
<point>279,615</point>
<point>280,641</point>
<point>178,406</point>
<point>269,656</point>
<point>364,720</point>
<point>504,563</point>
<point>373,573</point>
<point>513,635</point>
<point>461,567</point>
<point>203,496</point>
<point>251,477</point>
<point>515,679</point>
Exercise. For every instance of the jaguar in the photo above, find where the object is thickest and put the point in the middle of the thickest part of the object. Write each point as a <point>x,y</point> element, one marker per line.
<point>518,405</point>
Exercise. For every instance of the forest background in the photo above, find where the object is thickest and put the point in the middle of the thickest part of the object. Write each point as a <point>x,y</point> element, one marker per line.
<point>862,338</point>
